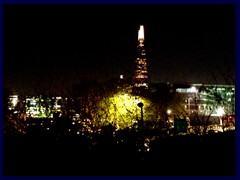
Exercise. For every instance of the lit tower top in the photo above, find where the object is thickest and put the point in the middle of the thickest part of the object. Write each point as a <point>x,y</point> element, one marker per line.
<point>141,34</point>
<point>141,73</point>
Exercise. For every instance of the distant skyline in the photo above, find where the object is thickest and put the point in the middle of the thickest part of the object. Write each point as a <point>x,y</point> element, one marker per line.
<point>56,45</point>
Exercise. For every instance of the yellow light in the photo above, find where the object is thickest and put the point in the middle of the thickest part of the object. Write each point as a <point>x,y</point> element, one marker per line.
<point>122,110</point>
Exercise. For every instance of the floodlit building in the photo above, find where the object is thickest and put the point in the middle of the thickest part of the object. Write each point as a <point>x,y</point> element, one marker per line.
<point>200,104</point>
<point>37,107</point>
<point>141,73</point>
<point>202,99</point>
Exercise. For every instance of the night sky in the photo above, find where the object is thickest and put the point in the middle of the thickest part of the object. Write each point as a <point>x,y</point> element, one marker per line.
<point>56,45</point>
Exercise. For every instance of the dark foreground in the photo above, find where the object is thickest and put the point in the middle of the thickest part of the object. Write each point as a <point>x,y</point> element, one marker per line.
<point>209,155</point>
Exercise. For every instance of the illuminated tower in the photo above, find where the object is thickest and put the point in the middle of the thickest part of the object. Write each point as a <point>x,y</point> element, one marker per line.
<point>141,73</point>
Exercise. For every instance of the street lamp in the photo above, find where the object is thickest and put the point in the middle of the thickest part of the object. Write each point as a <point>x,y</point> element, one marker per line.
<point>140,104</point>
<point>169,111</point>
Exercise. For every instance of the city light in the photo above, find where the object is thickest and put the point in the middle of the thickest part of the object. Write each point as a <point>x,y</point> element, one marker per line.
<point>13,100</point>
<point>193,89</point>
<point>141,33</point>
<point>220,111</point>
<point>169,111</point>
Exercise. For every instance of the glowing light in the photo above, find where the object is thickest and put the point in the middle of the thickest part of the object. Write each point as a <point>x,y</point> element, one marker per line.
<point>122,110</point>
<point>169,111</point>
<point>121,76</point>
<point>33,103</point>
<point>141,33</point>
<point>220,111</point>
<point>57,106</point>
<point>193,89</point>
<point>14,100</point>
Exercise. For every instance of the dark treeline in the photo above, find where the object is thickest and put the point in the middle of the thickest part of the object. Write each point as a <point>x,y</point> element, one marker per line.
<point>123,145</point>
<point>125,152</point>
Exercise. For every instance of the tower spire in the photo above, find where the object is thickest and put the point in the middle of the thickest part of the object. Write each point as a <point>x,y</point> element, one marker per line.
<point>141,34</point>
<point>141,73</point>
